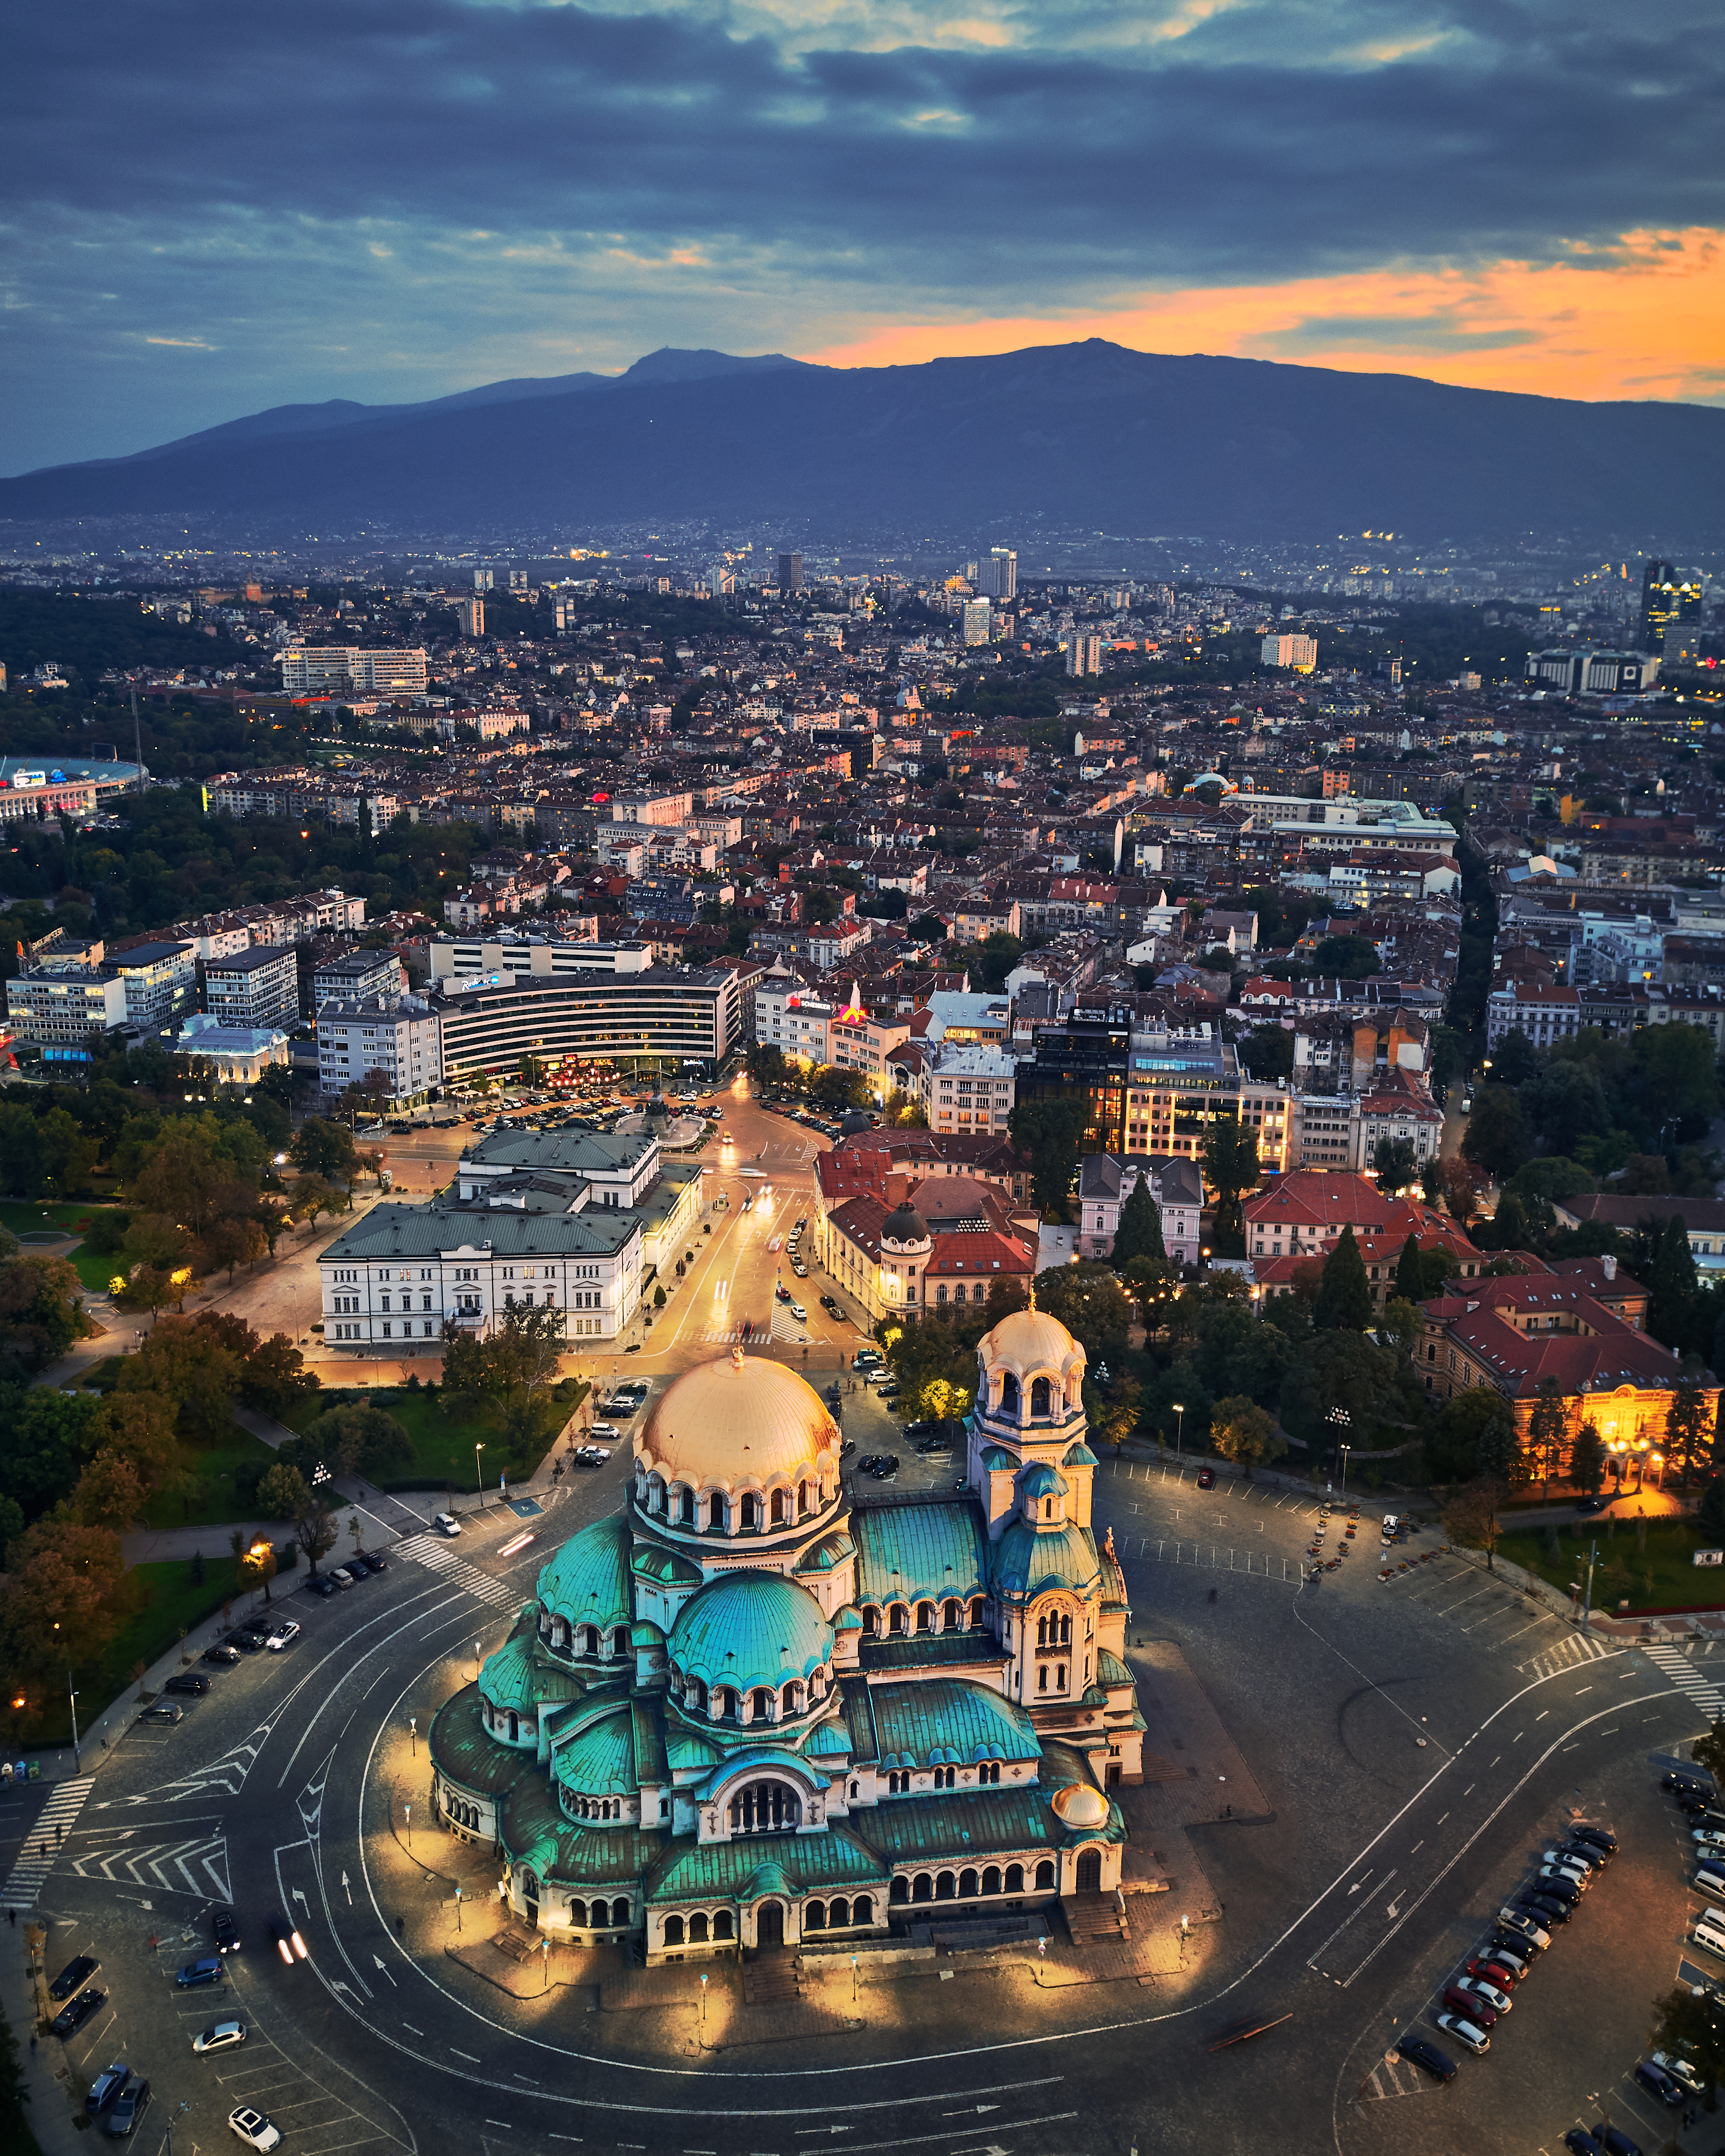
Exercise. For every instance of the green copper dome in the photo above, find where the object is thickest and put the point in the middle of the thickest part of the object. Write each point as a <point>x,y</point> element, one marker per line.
<point>517,1676</point>
<point>586,1582</point>
<point>1029,1561</point>
<point>751,1628</point>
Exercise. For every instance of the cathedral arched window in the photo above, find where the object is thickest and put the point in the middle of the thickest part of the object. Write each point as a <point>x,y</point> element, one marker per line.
<point>871,1623</point>
<point>715,1512</point>
<point>766,1808</point>
<point>1046,1873</point>
<point>752,1510</point>
<point>776,1510</point>
<point>1009,1396</point>
<point>991,1880</point>
<point>925,1616</point>
<point>685,1507</point>
<point>814,1917</point>
<point>967,1886</point>
<point>722,1926</point>
<point>577,1918</point>
<point>838,1914</point>
<point>1041,1398</point>
<point>862,1909</point>
<point>953,1617</point>
<point>761,1705</point>
<point>790,1699</point>
<point>802,1501</point>
<point>724,1704</point>
<point>1014,1878</point>
<point>674,1931</point>
<point>697,1929</point>
<point>899,1616</point>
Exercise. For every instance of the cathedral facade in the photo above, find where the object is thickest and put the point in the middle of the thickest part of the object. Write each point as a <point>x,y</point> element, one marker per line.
<point>752,1709</point>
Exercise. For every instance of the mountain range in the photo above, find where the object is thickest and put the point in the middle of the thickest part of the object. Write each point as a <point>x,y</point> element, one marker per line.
<point>1085,436</point>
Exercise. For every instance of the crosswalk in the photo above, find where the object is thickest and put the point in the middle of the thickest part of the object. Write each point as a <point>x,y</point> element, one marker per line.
<point>36,1859</point>
<point>436,1556</point>
<point>1686,1679</point>
<point>1567,1654</point>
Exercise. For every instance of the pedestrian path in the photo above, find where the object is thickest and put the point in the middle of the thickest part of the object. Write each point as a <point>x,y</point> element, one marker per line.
<point>1669,1662</point>
<point>1567,1655</point>
<point>37,1856</point>
<point>436,1555</point>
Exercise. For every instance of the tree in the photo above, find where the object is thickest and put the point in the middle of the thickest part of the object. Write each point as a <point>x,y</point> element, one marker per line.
<point>1401,1325</point>
<point>1410,1276</point>
<point>257,1565</point>
<point>1237,1352</point>
<point>1154,1284</point>
<point>1670,1279</point>
<point>189,1363</point>
<point>323,1148</point>
<point>1514,1059</point>
<point>1339,1369</point>
<point>231,1244</point>
<point>140,1427</point>
<point>1495,1138</point>
<point>841,1089</point>
<point>1139,1232</point>
<point>1231,1168</point>
<point>1548,1427</point>
<point>1242,1432</point>
<point>1587,1460</point>
<point>1119,1417</point>
<point>1346,957</point>
<point>1452,1436</point>
<point>1462,1185</point>
<point>14,2095</point>
<point>41,1312</point>
<point>1344,1294</point>
<point>1688,1426</point>
<point>1471,1518</point>
<point>1089,1301</point>
<point>44,1441</point>
<point>312,1195</point>
<point>67,1595</point>
<point>1498,1454</point>
<point>1268,1052</point>
<point>275,1379</point>
<point>1049,1130</point>
<point>109,1493</point>
<point>1431,1179</point>
<point>1687,2019</point>
<point>1392,1163</point>
<point>283,1492</point>
<point>506,1375</point>
<point>358,1438</point>
<point>314,1528</point>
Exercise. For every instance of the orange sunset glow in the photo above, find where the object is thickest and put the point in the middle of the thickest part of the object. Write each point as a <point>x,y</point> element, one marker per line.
<point>1645,319</point>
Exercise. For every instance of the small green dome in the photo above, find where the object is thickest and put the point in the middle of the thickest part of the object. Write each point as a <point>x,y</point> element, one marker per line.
<point>829,1550</point>
<point>1081,1456</point>
<point>601,1761</point>
<point>751,1628</point>
<point>507,1679</point>
<point>586,1582</point>
<point>1042,1481</point>
<point>998,1459</point>
<point>1029,1560</point>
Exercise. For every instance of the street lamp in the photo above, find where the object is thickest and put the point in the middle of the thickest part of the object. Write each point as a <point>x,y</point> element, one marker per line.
<point>412,1736</point>
<point>1344,1449</point>
<point>77,1756</point>
<point>478,1478</point>
<point>1180,1409</point>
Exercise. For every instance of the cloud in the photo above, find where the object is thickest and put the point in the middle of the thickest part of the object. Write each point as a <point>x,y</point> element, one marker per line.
<point>459,185</point>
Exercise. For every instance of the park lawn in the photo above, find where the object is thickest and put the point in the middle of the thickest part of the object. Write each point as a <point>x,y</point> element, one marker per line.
<point>104,1376</point>
<point>93,1269</point>
<point>23,1217</point>
<point>1662,1577</point>
<point>175,1602</point>
<point>442,1446</point>
<point>215,1466</point>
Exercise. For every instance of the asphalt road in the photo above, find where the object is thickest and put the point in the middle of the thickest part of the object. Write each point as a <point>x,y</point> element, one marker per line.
<point>289,1788</point>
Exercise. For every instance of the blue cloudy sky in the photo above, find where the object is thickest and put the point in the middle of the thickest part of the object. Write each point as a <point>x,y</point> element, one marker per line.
<point>207,210</point>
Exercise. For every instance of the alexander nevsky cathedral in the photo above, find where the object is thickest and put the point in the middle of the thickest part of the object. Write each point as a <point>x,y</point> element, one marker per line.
<point>753,1709</point>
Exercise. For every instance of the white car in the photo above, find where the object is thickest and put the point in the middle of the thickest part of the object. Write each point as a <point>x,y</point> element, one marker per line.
<point>603,1432</point>
<point>446,1523</point>
<point>1498,2000</point>
<point>1558,1866</point>
<point>252,2129</point>
<point>1708,1837</point>
<point>798,1311</point>
<point>280,1634</point>
<point>1680,2070</point>
<point>1475,2039</point>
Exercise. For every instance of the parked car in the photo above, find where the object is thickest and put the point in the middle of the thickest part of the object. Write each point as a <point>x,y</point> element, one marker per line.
<point>187,1681</point>
<point>321,1587</point>
<point>107,2086</point>
<point>1464,2031</point>
<point>1546,1908</point>
<point>604,1433</point>
<point>71,2018</point>
<point>1509,1953</point>
<point>224,1930</point>
<point>796,1311</point>
<point>1520,1925</point>
<point>162,1710</point>
<point>375,1560</point>
<point>1614,2142</point>
<point>76,1974</point>
<point>1682,2070</point>
<point>592,1455</point>
<point>247,1641</point>
<point>1557,1879</point>
<point>222,1655</point>
<point>1658,2082</point>
<point>1491,1970</point>
<point>338,1575</point>
<point>1588,1506</point>
<point>282,1633</point>
<point>1709,1837</point>
<point>220,2036</point>
<point>1481,1987</point>
<point>1206,1478</point>
<point>1422,2052</point>
<point>208,1969</point>
<point>128,2107</point>
<point>446,1523</point>
<point>1580,2143</point>
<point>254,2129</point>
<point>1583,1863</point>
<point>1462,2003</point>
<point>782,1293</point>
<point>1597,1837</point>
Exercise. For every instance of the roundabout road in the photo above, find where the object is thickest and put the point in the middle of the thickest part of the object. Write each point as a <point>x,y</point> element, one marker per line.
<point>301,1785</point>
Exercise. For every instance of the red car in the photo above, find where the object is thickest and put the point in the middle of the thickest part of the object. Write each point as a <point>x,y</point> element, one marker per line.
<point>1471,2008</point>
<point>1206,1478</point>
<point>1494,1972</point>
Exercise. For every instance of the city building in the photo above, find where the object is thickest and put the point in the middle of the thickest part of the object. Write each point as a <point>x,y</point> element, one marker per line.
<point>470,613</point>
<point>1297,653</point>
<point>790,572</point>
<point>1703,1221</point>
<point>967,1085</point>
<point>356,977</point>
<point>1573,672</point>
<point>336,670</point>
<point>974,621</point>
<point>1084,652</point>
<point>60,1008</point>
<point>490,1028</point>
<point>792,1020</point>
<point>232,1055</point>
<point>401,1036</point>
<point>1155,1089</point>
<point>1107,1180</point>
<point>998,574</point>
<point>543,957</point>
<point>1301,1217</point>
<point>160,980</point>
<point>1670,601</point>
<point>755,1710</point>
<point>32,789</point>
<point>259,987</point>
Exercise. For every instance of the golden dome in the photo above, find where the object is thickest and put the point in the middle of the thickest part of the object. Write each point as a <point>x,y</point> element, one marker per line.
<point>740,1423</point>
<point>1029,1341</point>
<point>1079,1805</point>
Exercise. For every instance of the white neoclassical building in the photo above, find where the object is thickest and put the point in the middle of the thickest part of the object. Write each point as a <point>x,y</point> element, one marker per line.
<point>755,1710</point>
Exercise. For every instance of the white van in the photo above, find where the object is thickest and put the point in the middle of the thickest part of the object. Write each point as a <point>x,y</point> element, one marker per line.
<point>445,1523</point>
<point>1710,1931</point>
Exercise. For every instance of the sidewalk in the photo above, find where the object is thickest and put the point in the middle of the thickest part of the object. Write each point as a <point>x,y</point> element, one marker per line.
<point>43,2074</point>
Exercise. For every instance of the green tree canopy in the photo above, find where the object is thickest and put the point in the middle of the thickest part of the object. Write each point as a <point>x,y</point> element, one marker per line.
<point>1231,1168</point>
<point>1139,1232</point>
<point>1495,1138</point>
<point>1049,1130</point>
<point>1242,1432</point>
<point>1343,1369</point>
<point>1344,1294</point>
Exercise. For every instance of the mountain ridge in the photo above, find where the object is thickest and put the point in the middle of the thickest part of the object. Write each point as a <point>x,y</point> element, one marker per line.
<point>1090,433</point>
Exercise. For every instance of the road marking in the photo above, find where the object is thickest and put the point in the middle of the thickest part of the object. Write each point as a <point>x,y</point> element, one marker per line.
<point>1542,1714</point>
<point>468,2056</point>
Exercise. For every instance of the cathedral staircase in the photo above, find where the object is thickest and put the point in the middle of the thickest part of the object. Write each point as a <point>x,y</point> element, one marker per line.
<point>770,1974</point>
<point>1094,1919</point>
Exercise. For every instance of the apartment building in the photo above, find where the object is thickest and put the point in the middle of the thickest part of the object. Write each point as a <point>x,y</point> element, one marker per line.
<point>1107,1180</point>
<point>60,1008</point>
<point>401,1036</point>
<point>491,1027</point>
<point>160,980</point>
<point>356,977</point>
<point>258,987</point>
<point>967,1085</point>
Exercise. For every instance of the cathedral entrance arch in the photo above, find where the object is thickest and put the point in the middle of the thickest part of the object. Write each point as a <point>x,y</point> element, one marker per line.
<point>1088,1876</point>
<point>769,1924</point>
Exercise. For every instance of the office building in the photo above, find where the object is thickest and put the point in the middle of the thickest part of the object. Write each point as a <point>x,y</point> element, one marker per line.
<point>356,976</point>
<point>160,979</point>
<point>1670,605</point>
<point>482,580</point>
<point>1589,672</point>
<point>655,1015</point>
<point>790,573</point>
<point>498,958</point>
<point>973,621</point>
<point>1084,652</point>
<point>1297,653</point>
<point>337,670</point>
<point>998,574</point>
<point>60,1008</point>
<point>232,1055</point>
<point>259,987</point>
<point>399,1035</point>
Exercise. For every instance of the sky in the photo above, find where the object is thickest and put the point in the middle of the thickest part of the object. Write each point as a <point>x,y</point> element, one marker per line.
<point>205,212</point>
